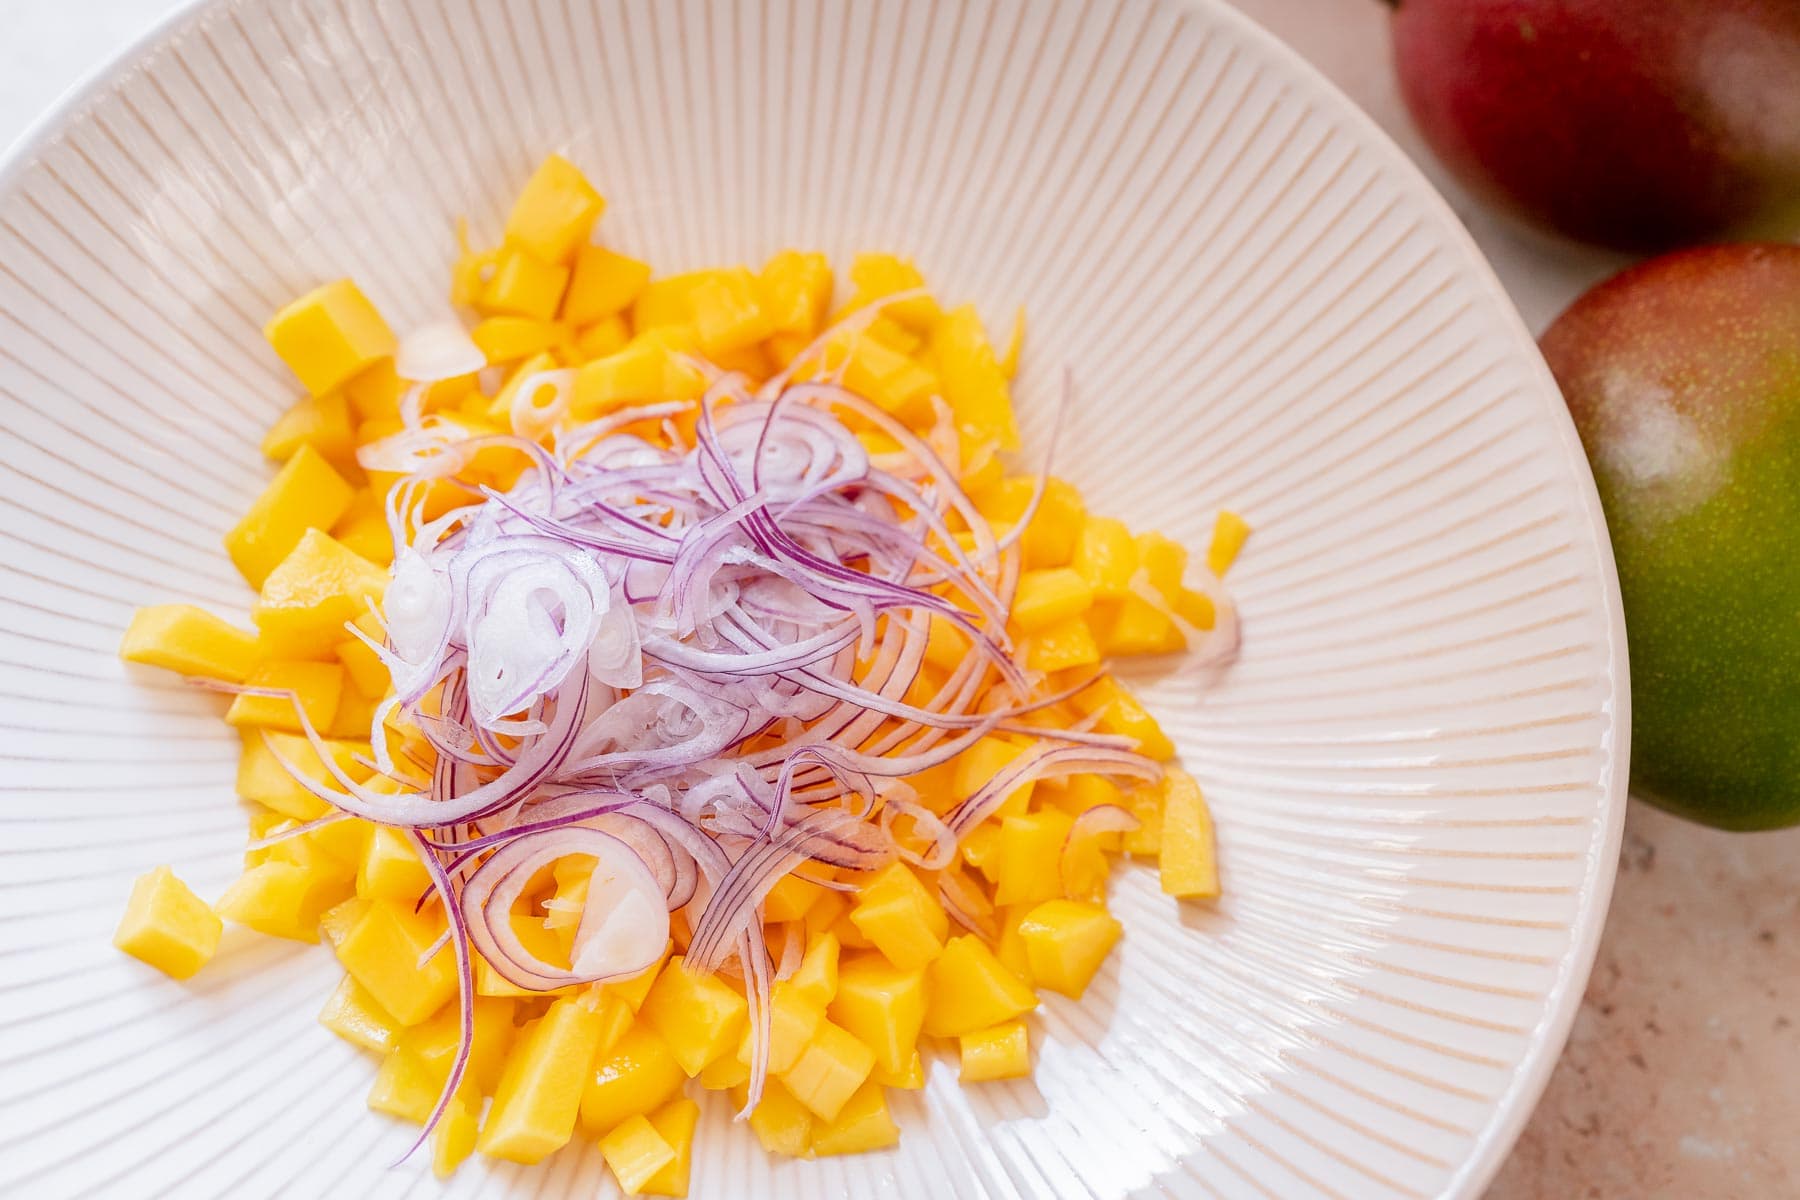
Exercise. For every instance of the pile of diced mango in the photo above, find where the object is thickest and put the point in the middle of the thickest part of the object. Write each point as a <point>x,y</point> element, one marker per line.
<point>882,975</point>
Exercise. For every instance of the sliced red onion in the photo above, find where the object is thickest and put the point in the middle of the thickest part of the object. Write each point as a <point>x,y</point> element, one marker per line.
<point>438,351</point>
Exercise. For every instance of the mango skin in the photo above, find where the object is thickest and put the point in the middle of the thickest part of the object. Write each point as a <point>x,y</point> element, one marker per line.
<point>1683,376</point>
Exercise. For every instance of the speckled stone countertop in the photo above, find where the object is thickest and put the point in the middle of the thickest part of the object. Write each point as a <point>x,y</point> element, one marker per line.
<point>1682,1075</point>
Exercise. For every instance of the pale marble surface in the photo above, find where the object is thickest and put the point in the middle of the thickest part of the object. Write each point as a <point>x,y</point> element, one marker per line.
<point>1682,1076</point>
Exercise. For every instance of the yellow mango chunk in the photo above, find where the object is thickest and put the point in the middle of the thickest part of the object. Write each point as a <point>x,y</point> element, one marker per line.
<point>190,641</point>
<point>789,899</point>
<point>368,674</point>
<point>1229,534</point>
<point>555,211</point>
<point>329,334</point>
<point>974,385</point>
<point>337,921</point>
<point>167,926</point>
<point>355,1016</point>
<point>1132,625</point>
<point>315,686</point>
<point>608,335</point>
<point>1062,646</point>
<point>524,285</point>
<point>312,593</point>
<point>1002,1052</point>
<point>879,373</point>
<point>374,392</point>
<point>604,284</point>
<point>862,1124</point>
<point>382,950</point>
<point>363,529</point>
<point>1079,793</point>
<point>883,1006</point>
<point>307,493</point>
<point>635,989</point>
<point>1146,805</point>
<point>391,868</point>
<point>1048,597</point>
<point>454,1138</point>
<point>900,918</point>
<point>1029,863</point>
<point>645,371</point>
<point>1121,713</point>
<point>322,422</point>
<point>1065,943</point>
<point>875,276</point>
<point>981,762</point>
<point>796,293</point>
<point>723,1074</point>
<point>781,1123</point>
<point>1106,556</point>
<point>817,976</point>
<point>667,301</point>
<point>675,1122</point>
<point>635,1152</point>
<point>910,1077</point>
<point>508,339</point>
<point>699,1017</point>
<point>728,313</point>
<point>833,1065</point>
<point>635,1075</point>
<point>540,1090</point>
<point>283,899</point>
<point>980,846</point>
<point>1189,858</point>
<point>793,1019</point>
<point>261,777</point>
<point>967,989</point>
<point>403,1088</point>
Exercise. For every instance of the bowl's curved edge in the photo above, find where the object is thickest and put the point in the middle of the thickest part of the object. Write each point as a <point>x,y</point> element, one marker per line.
<point>1533,1074</point>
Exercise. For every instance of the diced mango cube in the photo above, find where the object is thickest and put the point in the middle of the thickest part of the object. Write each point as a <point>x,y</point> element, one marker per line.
<point>984,761</point>
<point>363,529</point>
<point>608,335</point>
<point>796,293</point>
<point>862,1124</point>
<point>315,686</point>
<point>723,1074</point>
<point>403,1088</point>
<point>322,422</point>
<point>634,1076</point>
<point>645,371</point>
<point>967,989</point>
<point>312,593</point>
<point>875,276</point>
<point>1121,713</point>
<point>728,312</point>
<point>1002,1052</point>
<point>833,1065</point>
<point>1065,943</point>
<point>454,1138</point>
<point>1029,863</point>
<point>636,1152</point>
<point>189,640</point>
<point>358,1018</point>
<point>391,868</point>
<point>541,1088</point>
<point>883,1006</point>
<point>382,950</point>
<point>374,392</point>
<point>667,301</point>
<point>167,926</point>
<point>329,334</point>
<point>1062,646</point>
<point>909,932</point>
<point>1189,857</point>
<point>305,494</point>
<point>336,922</point>
<point>879,373</point>
<point>675,1121</point>
<point>789,899</point>
<point>910,1077</point>
<point>1132,625</point>
<point>817,976</point>
<point>555,211</point>
<point>1146,805</point>
<point>282,899</point>
<point>974,385</point>
<point>368,674</point>
<point>1079,793</point>
<point>524,285</point>
<point>1047,597</point>
<point>700,1017</point>
<point>794,1017</point>
<point>604,284</point>
<point>508,339</point>
<point>1106,556</point>
<point>1229,534</point>
<point>781,1123</point>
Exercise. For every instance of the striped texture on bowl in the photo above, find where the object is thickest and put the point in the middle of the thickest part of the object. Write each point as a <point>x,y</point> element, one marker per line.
<point>1417,764</point>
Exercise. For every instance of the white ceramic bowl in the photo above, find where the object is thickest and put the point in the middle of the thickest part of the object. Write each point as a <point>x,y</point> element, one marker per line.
<point>1416,766</point>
